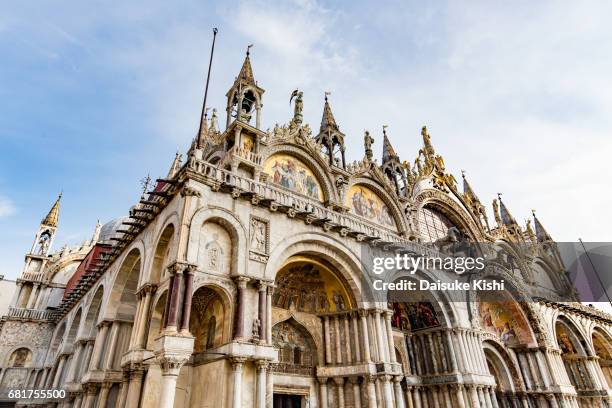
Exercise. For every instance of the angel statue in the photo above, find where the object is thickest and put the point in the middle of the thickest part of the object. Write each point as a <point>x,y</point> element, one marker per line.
<point>298,106</point>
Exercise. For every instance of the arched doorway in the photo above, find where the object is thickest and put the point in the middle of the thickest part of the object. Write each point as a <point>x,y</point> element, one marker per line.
<point>602,344</point>
<point>314,323</point>
<point>575,357</point>
<point>503,368</point>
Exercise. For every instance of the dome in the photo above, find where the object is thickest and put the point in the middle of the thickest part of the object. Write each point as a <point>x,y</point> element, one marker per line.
<point>109,229</point>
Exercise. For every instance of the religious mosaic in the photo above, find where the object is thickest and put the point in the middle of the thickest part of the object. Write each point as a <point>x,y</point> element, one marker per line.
<point>505,320</point>
<point>414,316</point>
<point>365,203</point>
<point>309,288</point>
<point>289,172</point>
<point>563,338</point>
<point>294,344</point>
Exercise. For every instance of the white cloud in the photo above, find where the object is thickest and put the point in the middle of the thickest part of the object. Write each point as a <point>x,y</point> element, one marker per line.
<point>6,207</point>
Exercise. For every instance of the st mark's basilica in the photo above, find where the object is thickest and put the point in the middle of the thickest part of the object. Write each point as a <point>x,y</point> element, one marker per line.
<point>237,281</point>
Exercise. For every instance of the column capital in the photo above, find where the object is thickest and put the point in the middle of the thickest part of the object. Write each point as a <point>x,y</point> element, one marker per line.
<point>146,289</point>
<point>354,380</point>
<point>238,362</point>
<point>339,381</point>
<point>363,312</point>
<point>241,281</point>
<point>262,364</point>
<point>106,385</point>
<point>262,285</point>
<point>171,363</point>
<point>322,380</point>
<point>398,378</point>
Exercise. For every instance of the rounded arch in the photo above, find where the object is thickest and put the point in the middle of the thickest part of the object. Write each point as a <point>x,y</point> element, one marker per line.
<point>74,327</point>
<point>93,313</point>
<point>21,357</point>
<point>602,347</point>
<point>235,228</point>
<point>451,209</point>
<point>156,320</point>
<point>569,338</point>
<point>503,366</point>
<point>353,196</point>
<point>122,299</point>
<point>161,255</point>
<point>57,341</point>
<point>210,318</point>
<point>314,162</point>
<point>334,252</point>
<point>416,310</point>
<point>297,351</point>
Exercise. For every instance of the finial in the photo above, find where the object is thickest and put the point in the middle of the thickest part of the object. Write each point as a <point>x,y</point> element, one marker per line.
<point>249,49</point>
<point>463,173</point>
<point>424,130</point>
<point>327,93</point>
<point>206,112</point>
<point>533,212</point>
<point>385,129</point>
<point>499,196</point>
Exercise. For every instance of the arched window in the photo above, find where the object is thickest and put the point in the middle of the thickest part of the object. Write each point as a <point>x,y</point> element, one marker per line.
<point>20,358</point>
<point>433,224</point>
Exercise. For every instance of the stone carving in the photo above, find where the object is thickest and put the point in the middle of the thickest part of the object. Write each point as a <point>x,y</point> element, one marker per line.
<point>259,235</point>
<point>256,328</point>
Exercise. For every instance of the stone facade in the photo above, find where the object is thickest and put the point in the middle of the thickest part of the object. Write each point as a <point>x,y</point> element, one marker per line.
<point>237,282</point>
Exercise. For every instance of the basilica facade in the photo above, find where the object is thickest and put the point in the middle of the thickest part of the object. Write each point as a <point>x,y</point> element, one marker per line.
<point>237,281</point>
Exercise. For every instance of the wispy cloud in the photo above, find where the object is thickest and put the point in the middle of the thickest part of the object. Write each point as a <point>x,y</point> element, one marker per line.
<point>6,207</point>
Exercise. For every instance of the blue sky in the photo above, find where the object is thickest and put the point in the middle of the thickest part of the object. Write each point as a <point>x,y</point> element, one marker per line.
<point>95,95</point>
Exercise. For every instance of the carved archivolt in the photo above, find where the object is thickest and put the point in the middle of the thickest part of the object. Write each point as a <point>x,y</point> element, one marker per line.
<point>451,209</point>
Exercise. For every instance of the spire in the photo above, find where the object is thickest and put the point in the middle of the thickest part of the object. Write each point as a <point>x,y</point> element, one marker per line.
<point>96,234</point>
<point>246,72</point>
<point>540,232</point>
<point>328,121</point>
<point>388,151</point>
<point>176,166</point>
<point>467,189</point>
<point>53,217</point>
<point>506,217</point>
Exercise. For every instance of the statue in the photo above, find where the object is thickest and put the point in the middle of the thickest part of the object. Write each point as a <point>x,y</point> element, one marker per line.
<point>298,106</point>
<point>256,327</point>
<point>368,141</point>
<point>496,212</point>
<point>214,121</point>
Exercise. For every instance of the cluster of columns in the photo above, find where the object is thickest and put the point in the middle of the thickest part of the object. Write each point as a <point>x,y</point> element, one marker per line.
<point>264,309</point>
<point>358,337</point>
<point>433,352</point>
<point>30,295</point>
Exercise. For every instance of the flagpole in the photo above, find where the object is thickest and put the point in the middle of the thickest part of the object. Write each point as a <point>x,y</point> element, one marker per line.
<point>203,116</point>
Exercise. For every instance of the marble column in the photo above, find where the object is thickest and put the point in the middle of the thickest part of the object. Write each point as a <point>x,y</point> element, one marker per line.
<point>388,391</point>
<point>399,395</point>
<point>78,400</point>
<point>103,398</point>
<point>72,370</point>
<point>458,388</point>
<point>338,349</point>
<point>408,395</point>
<point>58,373</point>
<point>451,351</point>
<point>382,356</point>
<point>371,391</point>
<point>326,333</point>
<point>241,282</point>
<point>487,396</point>
<point>123,389</point>
<point>356,391</point>
<point>323,392</point>
<point>111,346</point>
<point>432,353</point>
<point>417,397</point>
<point>262,313</point>
<point>366,341</point>
<point>144,317</point>
<point>262,368</point>
<point>269,312</point>
<point>90,395</point>
<point>387,316</point>
<point>98,346</point>
<point>340,387</point>
<point>237,365</point>
<point>187,298</point>
<point>33,296</point>
<point>356,347</point>
<point>133,394</point>
<point>174,299</point>
<point>347,339</point>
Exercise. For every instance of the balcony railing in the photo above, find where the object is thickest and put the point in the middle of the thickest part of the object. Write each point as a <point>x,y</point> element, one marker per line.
<point>30,314</point>
<point>245,154</point>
